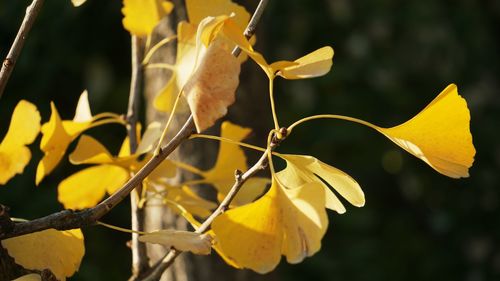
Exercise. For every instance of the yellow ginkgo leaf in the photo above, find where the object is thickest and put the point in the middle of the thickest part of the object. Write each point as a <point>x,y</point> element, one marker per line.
<point>87,187</point>
<point>186,53</point>
<point>59,251</point>
<point>301,169</point>
<point>23,129</point>
<point>230,158</point>
<point>29,277</point>
<point>78,3</point>
<point>314,64</point>
<point>82,112</point>
<point>196,243</point>
<point>165,99</point>
<point>89,151</point>
<point>211,89</point>
<point>55,141</point>
<point>164,172</point>
<point>288,221</point>
<point>439,135</point>
<point>197,10</point>
<point>189,201</point>
<point>150,138</point>
<point>141,16</point>
<point>58,134</point>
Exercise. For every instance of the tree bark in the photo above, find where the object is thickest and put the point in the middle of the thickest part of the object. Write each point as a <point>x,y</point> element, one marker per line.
<point>200,154</point>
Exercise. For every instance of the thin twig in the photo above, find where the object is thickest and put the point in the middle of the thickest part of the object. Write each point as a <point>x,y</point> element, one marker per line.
<point>69,219</point>
<point>139,256</point>
<point>252,24</point>
<point>162,265</point>
<point>135,90</point>
<point>11,59</point>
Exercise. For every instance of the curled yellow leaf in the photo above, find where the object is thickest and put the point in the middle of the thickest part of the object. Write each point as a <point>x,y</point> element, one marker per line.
<point>59,251</point>
<point>211,88</point>
<point>302,169</point>
<point>23,129</point>
<point>196,243</point>
<point>317,63</point>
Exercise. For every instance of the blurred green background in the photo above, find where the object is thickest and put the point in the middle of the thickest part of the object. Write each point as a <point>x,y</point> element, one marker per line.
<point>391,59</point>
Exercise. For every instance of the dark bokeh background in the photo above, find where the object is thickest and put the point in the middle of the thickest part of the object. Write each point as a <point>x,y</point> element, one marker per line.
<point>391,59</point>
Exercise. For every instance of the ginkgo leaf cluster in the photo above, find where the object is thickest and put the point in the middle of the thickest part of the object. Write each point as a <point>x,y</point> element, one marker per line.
<point>283,214</point>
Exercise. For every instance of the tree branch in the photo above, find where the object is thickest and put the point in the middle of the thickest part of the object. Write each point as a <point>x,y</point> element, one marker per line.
<point>139,256</point>
<point>252,24</point>
<point>11,59</point>
<point>69,219</point>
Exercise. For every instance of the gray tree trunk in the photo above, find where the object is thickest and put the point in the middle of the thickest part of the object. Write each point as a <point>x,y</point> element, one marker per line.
<point>200,154</point>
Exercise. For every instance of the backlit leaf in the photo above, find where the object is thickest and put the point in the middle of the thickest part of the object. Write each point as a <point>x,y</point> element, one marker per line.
<point>78,3</point>
<point>141,16</point>
<point>230,158</point>
<point>301,169</point>
<point>288,221</point>
<point>196,243</point>
<point>439,135</point>
<point>314,64</point>
<point>23,129</point>
<point>211,88</point>
<point>87,187</point>
<point>59,251</point>
<point>82,112</point>
<point>197,10</point>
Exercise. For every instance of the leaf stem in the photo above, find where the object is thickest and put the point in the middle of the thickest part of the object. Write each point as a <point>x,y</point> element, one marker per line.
<point>155,48</point>
<point>331,116</point>
<point>160,65</point>
<point>202,136</point>
<point>126,230</point>
<point>170,118</point>
<point>273,107</point>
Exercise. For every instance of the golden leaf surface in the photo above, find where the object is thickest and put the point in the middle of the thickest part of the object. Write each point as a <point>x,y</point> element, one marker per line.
<point>189,201</point>
<point>231,157</point>
<point>23,129</point>
<point>86,188</point>
<point>141,16</point>
<point>285,221</point>
<point>59,251</point>
<point>303,169</point>
<point>211,89</point>
<point>199,244</point>
<point>78,3</point>
<point>187,49</point>
<point>439,135</point>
